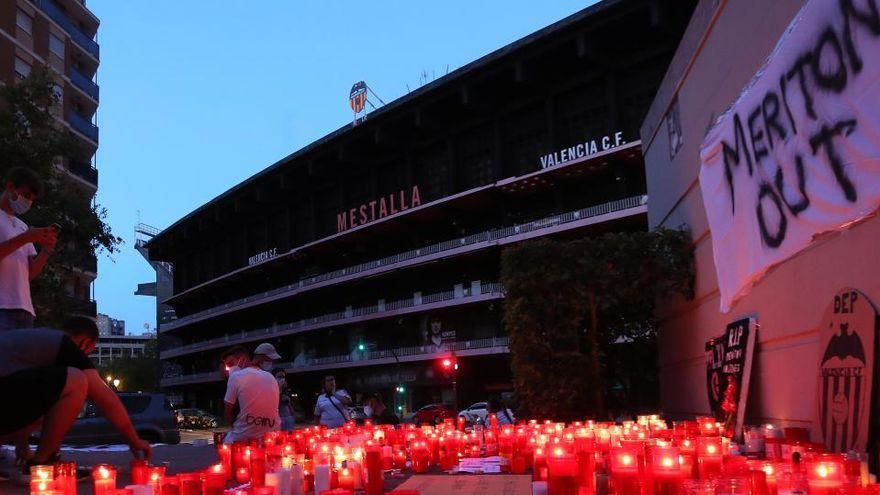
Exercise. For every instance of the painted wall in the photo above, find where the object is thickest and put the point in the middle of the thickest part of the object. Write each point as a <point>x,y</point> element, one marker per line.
<point>725,44</point>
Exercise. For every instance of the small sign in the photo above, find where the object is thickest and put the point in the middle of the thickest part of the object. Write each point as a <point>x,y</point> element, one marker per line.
<point>714,374</point>
<point>582,150</point>
<point>739,350</point>
<point>846,360</point>
<point>357,97</point>
<point>260,257</point>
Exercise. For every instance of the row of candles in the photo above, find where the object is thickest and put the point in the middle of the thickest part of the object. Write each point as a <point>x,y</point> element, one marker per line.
<point>642,457</point>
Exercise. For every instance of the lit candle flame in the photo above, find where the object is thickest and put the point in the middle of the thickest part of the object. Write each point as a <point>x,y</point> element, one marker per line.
<point>626,459</point>
<point>667,462</point>
<point>103,472</point>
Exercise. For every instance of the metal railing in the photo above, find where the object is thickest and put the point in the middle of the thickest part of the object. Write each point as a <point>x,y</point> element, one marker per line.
<point>83,170</point>
<point>83,125</point>
<point>486,236</point>
<point>315,322</point>
<point>59,16</point>
<point>84,83</point>
<point>421,350</point>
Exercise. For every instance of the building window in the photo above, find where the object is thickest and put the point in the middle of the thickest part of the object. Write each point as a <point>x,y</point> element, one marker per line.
<point>22,68</point>
<point>24,21</point>
<point>56,45</point>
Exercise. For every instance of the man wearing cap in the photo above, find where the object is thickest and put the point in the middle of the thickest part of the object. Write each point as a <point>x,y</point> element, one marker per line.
<point>264,355</point>
<point>254,391</point>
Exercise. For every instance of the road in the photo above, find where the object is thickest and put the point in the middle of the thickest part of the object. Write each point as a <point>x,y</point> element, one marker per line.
<point>195,451</point>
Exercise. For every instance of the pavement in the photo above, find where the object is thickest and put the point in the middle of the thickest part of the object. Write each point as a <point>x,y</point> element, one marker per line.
<point>195,451</point>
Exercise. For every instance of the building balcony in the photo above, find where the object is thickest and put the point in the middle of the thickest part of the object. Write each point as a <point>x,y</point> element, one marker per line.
<point>84,171</point>
<point>84,83</point>
<point>83,126</point>
<point>84,307</point>
<point>516,233</point>
<point>478,347</point>
<point>459,295</point>
<point>62,19</point>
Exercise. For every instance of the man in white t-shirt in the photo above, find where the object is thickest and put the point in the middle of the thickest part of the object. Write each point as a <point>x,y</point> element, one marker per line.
<point>19,260</point>
<point>255,392</point>
<point>331,409</point>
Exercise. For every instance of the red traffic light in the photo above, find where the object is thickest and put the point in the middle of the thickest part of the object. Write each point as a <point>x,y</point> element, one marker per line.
<point>447,363</point>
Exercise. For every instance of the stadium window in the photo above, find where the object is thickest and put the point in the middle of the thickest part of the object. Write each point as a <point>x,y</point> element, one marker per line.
<point>24,21</point>
<point>56,45</point>
<point>22,68</point>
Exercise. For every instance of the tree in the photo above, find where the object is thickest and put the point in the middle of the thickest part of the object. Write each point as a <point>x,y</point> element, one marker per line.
<point>31,136</point>
<point>135,373</point>
<point>568,302</point>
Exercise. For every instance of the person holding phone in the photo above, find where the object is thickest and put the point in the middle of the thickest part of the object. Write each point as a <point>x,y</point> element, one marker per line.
<point>331,409</point>
<point>20,262</point>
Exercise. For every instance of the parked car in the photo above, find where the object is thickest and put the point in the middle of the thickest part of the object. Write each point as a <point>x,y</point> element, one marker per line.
<point>152,415</point>
<point>474,414</point>
<point>196,419</point>
<point>433,414</point>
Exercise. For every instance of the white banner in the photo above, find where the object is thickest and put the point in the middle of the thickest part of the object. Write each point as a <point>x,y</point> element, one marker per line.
<point>798,153</point>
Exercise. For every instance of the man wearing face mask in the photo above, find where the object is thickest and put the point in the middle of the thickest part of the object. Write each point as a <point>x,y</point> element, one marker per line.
<point>19,260</point>
<point>264,355</point>
<point>255,392</point>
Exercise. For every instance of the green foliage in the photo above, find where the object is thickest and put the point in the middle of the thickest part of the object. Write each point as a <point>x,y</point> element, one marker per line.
<point>30,136</point>
<point>138,373</point>
<point>570,306</point>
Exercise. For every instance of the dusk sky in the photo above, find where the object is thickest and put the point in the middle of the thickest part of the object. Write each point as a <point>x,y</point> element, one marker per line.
<point>196,96</point>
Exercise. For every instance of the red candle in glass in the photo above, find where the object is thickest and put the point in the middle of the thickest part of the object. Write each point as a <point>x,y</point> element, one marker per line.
<point>399,458</point>
<point>189,484</point>
<point>625,471</point>
<point>826,475</point>
<point>104,479</point>
<point>214,480</point>
<point>562,473</point>
<point>171,485</point>
<point>65,477</point>
<point>156,479</point>
<point>225,454</point>
<point>258,467</point>
<point>140,472</point>
<point>387,457</point>
<point>539,465</point>
<point>346,479</point>
<point>373,465</point>
<point>666,470</point>
<point>420,458</point>
<point>709,456</point>
<point>262,490</point>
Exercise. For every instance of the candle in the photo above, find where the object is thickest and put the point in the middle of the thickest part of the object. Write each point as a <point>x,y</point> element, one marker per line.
<point>139,489</point>
<point>374,463</point>
<point>214,480</point>
<point>562,473</point>
<point>65,477</point>
<point>826,475</point>
<point>322,478</point>
<point>104,479</point>
<point>225,454</point>
<point>666,470</point>
<point>625,471</point>
<point>42,479</point>
<point>356,470</point>
<point>263,490</point>
<point>140,472</point>
<point>242,474</point>
<point>258,466</point>
<point>297,480</point>
<point>156,478</point>
<point>190,483</point>
<point>421,457</point>
<point>171,485</point>
<point>709,456</point>
<point>346,479</point>
<point>280,481</point>
<point>539,465</point>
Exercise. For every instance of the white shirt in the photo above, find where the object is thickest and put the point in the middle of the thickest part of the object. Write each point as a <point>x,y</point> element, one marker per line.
<point>15,272</point>
<point>256,392</point>
<point>332,411</point>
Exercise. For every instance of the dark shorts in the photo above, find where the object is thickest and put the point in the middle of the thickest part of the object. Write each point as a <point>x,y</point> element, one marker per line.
<point>32,392</point>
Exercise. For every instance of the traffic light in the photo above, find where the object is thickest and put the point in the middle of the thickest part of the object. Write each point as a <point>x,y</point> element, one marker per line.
<point>400,389</point>
<point>361,347</point>
<point>447,363</point>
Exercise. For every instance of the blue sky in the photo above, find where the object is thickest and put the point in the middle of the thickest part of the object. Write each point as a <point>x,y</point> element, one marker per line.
<point>198,95</point>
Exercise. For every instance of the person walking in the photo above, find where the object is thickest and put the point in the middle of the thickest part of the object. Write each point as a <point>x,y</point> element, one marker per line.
<point>285,408</point>
<point>255,392</point>
<point>19,260</point>
<point>331,409</point>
